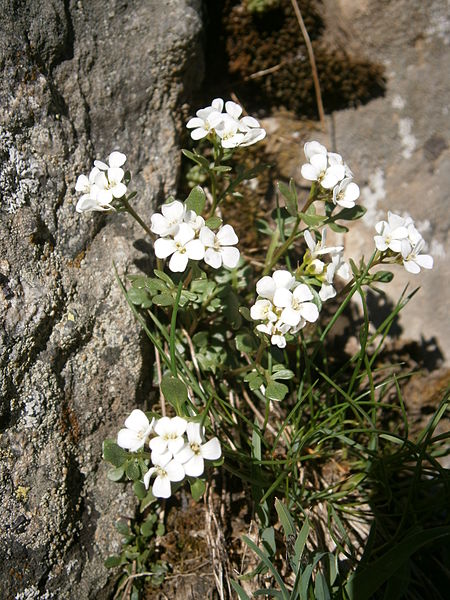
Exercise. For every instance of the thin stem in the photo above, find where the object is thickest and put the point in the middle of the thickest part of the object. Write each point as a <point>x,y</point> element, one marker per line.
<point>173,324</point>
<point>135,216</point>
<point>312,60</point>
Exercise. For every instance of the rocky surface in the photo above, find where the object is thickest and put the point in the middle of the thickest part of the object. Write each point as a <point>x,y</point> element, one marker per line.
<point>79,79</point>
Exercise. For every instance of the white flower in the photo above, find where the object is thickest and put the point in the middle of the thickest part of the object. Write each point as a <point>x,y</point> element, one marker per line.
<point>277,331</point>
<point>166,471</point>
<point>346,193</point>
<point>267,286</point>
<point>316,266</point>
<point>325,167</point>
<point>115,160</point>
<point>263,310</point>
<point>412,259</point>
<point>207,120</point>
<point>392,232</point>
<point>229,132</point>
<point>169,438</point>
<point>192,455</point>
<point>89,200</point>
<point>168,222</point>
<point>219,247</point>
<point>137,429</point>
<point>110,185</point>
<point>251,128</point>
<point>337,267</point>
<point>182,248</point>
<point>296,305</point>
<point>194,220</point>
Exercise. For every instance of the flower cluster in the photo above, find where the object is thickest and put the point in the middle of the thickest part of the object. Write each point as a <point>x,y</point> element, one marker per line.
<point>177,449</point>
<point>184,235</point>
<point>324,272</point>
<point>398,237</point>
<point>231,129</point>
<point>284,306</point>
<point>330,171</point>
<point>104,183</point>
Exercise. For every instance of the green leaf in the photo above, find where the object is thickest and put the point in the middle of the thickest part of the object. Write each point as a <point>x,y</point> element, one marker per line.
<point>164,277</point>
<point>174,391</point>
<point>196,200</point>
<point>337,228</point>
<point>282,373</point>
<point>113,453</point>
<point>112,561</point>
<point>145,502</point>
<point>133,471</point>
<point>116,474</point>
<point>268,539</point>
<point>276,391</point>
<point>242,595</point>
<point>246,342</point>
<point>351,214</point>
<point>312,220</point>
<point>321,591</point>
<point>383,276</point>
<point>290,195</point>
<point>198,487</point>
<point>139,490</point>
<point>147,527</point>
<point>366,581</point>
<point>122,527</point>
<point>287,522</point>
<point>139,297</point>
<point>197,158</point>
<point>164,299</point>
<point>213,222</point>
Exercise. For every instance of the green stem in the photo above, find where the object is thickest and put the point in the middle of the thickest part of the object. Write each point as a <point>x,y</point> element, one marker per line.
<point>135,216</point>
<point>173,324</point>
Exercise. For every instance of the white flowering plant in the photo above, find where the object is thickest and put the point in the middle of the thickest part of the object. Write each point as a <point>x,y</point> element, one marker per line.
<point>245,376</point>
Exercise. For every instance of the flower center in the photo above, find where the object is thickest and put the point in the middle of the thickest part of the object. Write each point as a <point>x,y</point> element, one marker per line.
<point>161,472</point>
<point>180,248</point>
<point>169,436</point>
<point>195,447</point>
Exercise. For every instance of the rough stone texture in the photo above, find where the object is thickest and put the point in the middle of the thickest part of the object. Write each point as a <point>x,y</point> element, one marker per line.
<point>399,145</point>
<point>79,78</point>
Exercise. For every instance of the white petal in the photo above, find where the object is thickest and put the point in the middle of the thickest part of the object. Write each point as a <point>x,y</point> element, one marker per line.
<point>101,165</point>
<point>260,309</point>
<point>116,159</point>
<point>163,426</point>
<point>233,109</point>
<point>128,440</point>
<point>194,122</point>
<point>158,445</point>
<point>194,432</point>
<point>290,316</point>
<point>173,211</point>
<point>327,291</point>
<point>253,136</point>
<point>283,279</point>
<point>82,184</point>
<point>217,104</point>
<point>159,224</point>
<point>207,237</point>
<point>380,243</point>
<point>319,161</point>
<point>211,450</point>
<point>161,487</point>
<point>119,190</point>
<point>230,256</point>
<point>425,261</point>
<point>334,159</point>
<point>185,454</point>
<point>195,250</point>
<point>178,425</point>
<point>147,477</point>
<point>313,147</point>
<point>352,192</point>
<point>137,421</point>
<point>175,445</point>
<point>161,459</point>
<point>249,122</point>
<point>164,247</point>
<point>302,293</point>
<point>175,471</point>
<point>198,134</point>
<point>178,262</point>
<point>309,240</point>
<point>282,298</point>
<point>213,258</point>
<point>195,466</point>
<point>184,234</point>
<point>278,340</point>
<point>104,196</point>
<point>227,236</point>
<point>88,204</point>
<point>310,172</point>
<point>309,312</point>
<point>266,287</point>
<point>411,266</point>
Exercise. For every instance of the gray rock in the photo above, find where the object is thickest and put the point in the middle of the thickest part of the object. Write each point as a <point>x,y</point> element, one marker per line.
<point>79,79</point>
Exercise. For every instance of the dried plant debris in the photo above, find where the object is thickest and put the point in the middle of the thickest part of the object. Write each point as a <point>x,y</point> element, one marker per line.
<point>266,59</point>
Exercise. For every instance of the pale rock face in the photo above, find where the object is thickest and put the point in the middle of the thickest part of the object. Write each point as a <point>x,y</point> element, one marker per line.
<point>70,360</point>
